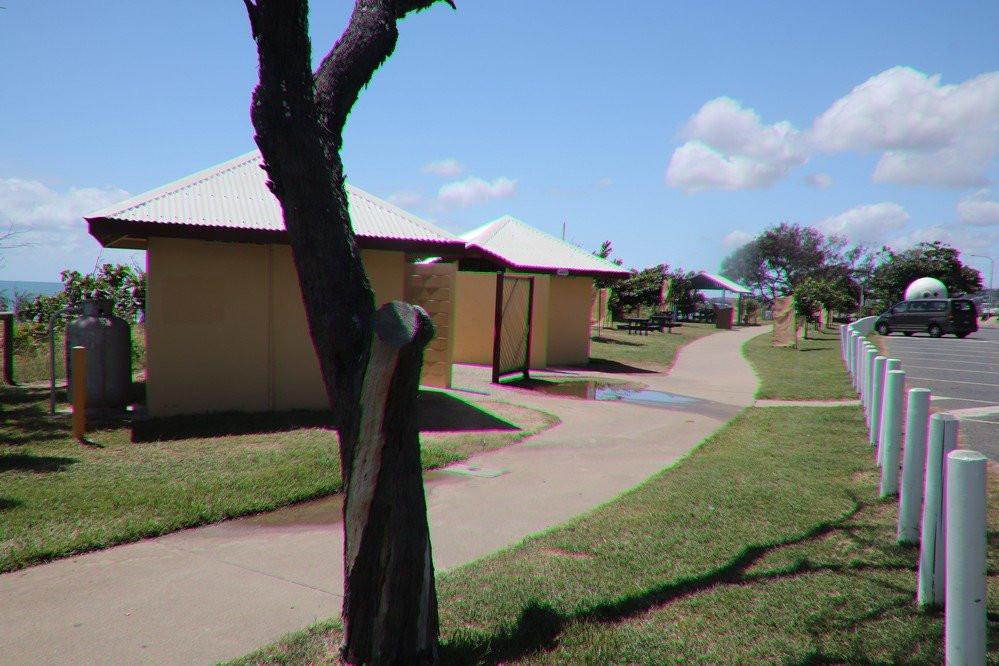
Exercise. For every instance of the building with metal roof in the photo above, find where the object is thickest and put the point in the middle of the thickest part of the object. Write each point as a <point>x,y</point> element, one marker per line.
<point>514,245</point>
<point>563,292</point>
<point>231,202</point>
<point>225,325</point>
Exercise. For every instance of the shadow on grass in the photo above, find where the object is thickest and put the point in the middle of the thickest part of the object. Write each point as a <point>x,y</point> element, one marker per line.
<point>615,367</point>
<point>438,412</point>
<point>614,341</point>
<point>6,503</point>
<point>19,462</point>
<point>25,418</point>
<point>539,625</point>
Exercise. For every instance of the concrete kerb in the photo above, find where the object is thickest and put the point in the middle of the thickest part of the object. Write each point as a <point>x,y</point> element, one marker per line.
<point>221,591</point>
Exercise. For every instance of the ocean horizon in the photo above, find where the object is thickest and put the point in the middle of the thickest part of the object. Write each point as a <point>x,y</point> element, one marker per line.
<point>32,288</point>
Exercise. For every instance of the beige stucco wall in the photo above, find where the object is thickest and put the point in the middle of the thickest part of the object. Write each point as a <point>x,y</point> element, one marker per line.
<point>226,328</point>
<point>561,323</point>
<point>570,304</point>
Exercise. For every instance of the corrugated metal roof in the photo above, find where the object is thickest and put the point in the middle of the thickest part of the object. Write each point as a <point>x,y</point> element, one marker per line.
<point>524,247</point>
<point>234,195</point>
<point>710,281</point>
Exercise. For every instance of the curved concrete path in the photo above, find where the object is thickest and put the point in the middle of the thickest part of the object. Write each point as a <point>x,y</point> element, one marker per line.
<point>218,592</point>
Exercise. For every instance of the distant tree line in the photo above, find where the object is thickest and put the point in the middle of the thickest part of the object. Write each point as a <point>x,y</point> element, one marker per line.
<point>823,272</point>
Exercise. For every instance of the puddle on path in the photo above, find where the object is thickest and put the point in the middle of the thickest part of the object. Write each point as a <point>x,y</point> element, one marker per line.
<point>591,389</point>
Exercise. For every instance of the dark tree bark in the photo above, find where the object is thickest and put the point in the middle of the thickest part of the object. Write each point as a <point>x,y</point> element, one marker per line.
<point>390,612</point>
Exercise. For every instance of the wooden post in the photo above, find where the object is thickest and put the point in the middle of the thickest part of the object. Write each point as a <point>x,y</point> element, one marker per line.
<point>497,327</point>
<point>530,324</point>
<point>79,392</point>
<point>8,347</point>
<point>389,570</point>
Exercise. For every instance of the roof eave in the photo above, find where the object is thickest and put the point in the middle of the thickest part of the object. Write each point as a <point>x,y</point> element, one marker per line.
<point>479,251</point>
<point>134,235</point>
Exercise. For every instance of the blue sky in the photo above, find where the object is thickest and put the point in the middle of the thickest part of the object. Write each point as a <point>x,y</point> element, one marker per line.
<point>674,131</point>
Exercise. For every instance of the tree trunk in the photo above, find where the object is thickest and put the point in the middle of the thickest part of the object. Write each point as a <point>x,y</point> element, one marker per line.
<point>390,604</point>
<point>389,585</point>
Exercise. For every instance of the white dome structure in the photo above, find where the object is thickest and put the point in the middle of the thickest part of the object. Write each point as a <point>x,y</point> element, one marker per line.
<point>926,287</point>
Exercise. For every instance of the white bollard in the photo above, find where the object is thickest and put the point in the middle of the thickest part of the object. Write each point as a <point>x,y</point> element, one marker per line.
<point>890,364</point>
<point>877,384</point>
<point>853,357</point>
<point>942,440</point>
<point>869,353</point>
<point>910,498</point>
<point>964,611</point>
<point>891,432</point>
<point>857,342</point>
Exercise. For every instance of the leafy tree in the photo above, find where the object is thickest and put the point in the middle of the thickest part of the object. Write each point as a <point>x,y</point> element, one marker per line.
<point>782,256</point>
<point>124,285</point>
<point>682,294</point>
<point>641,288</point>
<point>604,253</point>
<point>897,270</point>
<point>390,602</point>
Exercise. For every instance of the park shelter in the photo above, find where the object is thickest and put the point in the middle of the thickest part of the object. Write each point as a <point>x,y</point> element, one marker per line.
<point>709,282</point>
<point>225,324</point>
<point>563,292</point>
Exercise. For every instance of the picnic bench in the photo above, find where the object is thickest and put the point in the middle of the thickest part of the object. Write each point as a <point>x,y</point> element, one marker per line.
<point>642,325</point>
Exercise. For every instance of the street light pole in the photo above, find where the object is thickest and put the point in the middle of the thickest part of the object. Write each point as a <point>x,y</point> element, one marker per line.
<point>992,270</point>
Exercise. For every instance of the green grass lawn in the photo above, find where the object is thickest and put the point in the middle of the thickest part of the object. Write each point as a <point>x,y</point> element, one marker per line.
<point>59,497</point>
<point>612,348</point>
<point>813,371</point>
<point>768,544</point>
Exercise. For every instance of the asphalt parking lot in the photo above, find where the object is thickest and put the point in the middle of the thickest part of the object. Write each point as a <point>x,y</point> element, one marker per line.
<point>963,376</point>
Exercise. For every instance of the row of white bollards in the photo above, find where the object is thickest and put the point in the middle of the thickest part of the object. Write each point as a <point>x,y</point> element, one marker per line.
<point>942,497</point>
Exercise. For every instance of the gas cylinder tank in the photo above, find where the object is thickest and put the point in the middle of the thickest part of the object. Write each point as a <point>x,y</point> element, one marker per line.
<point>108,341</point>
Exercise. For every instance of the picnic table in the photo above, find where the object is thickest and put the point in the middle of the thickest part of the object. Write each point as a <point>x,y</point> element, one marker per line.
<point>637,325</point>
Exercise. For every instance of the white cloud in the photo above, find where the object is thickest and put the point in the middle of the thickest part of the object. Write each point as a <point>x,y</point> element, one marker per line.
<point>867,224</point>
<point>978,209</point>
<point>42,215</point>
<point>931,134</point>
<point>603,183</point>
<point>405,198</point>
<point>967,241</point>
<point>51,233</point>
<point>448,168</point>
<point>819,180</point>
<point>927,133</point>
<point>735,239</point>
<point>474,190</point>
<point>728,147</point>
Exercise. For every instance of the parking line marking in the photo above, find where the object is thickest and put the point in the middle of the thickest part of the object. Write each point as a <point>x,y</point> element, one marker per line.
<point>923,367</point>
<point>949,381</point>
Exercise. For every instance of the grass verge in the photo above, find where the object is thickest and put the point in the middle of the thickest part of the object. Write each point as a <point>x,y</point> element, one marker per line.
<point>59,497</point>
<point>615,350</point>
<point>813,371</point>
<point>767,545</point>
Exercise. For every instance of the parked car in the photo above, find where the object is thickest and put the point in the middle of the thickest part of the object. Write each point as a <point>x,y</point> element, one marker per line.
<point>935,316</point>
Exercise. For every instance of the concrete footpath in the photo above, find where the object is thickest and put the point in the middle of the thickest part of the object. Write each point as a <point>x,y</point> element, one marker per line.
<point>218,592</point>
